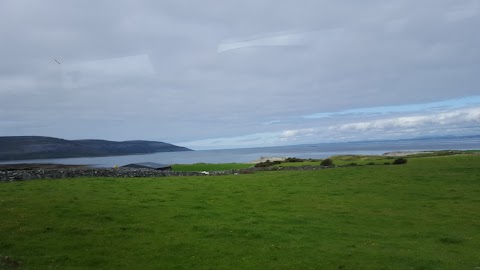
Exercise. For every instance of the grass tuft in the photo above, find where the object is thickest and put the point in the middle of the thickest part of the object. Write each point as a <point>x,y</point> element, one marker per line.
<point>451,240</point>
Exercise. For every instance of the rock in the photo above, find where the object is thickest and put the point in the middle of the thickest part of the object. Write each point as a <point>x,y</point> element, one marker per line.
<point>26,176</point>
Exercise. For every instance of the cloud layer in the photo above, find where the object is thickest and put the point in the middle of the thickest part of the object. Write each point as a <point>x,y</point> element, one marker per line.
<point>238,73</point>
<point>454,122</point>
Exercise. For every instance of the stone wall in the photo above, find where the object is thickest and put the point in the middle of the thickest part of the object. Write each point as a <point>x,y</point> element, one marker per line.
<point>20,175</point>
<point>6,176</point>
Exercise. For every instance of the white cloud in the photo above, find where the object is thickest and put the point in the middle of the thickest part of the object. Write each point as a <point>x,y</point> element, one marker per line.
<point>457,117</point>
<point>292,135</point>
<point>251,140</point>
<point>454,122</point>
<point>407,108</point>
<point>272,39</point>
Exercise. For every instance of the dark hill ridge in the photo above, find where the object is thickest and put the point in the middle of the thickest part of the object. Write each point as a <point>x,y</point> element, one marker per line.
<point>38,147</point>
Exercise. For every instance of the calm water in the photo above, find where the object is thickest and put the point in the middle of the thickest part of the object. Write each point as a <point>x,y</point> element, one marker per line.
<point>247,155</point>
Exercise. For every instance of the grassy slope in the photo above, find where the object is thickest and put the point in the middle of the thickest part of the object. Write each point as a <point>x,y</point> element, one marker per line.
<point>422,215</point>
<point>344,160</point>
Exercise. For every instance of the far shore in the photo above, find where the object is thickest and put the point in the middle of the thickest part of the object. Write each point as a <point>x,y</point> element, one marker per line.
<point>406,153</point>
<point>39,166</point>
<point>58,166</point>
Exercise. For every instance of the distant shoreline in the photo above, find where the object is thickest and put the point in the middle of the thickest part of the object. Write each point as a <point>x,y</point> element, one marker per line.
<point>406,153</point>
<point>263,159</point>
<point>39,166</point>
<point>319,151</point>
<point>58,166</point>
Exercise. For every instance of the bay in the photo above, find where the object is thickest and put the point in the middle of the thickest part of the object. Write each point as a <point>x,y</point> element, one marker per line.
<point>321,150</point>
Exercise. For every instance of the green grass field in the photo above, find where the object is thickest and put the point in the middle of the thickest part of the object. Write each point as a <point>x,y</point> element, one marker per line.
<point>422,215</point>
<point>344,160</point>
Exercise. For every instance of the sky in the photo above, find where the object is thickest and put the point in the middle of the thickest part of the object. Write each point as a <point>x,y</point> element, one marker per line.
<point>218,74</point>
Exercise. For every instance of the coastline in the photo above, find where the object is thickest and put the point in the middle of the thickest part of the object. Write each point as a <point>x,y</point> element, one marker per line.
<point>316,151</point>
<point>25,166</point>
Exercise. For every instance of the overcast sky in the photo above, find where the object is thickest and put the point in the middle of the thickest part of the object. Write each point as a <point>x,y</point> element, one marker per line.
<point>226,74</point>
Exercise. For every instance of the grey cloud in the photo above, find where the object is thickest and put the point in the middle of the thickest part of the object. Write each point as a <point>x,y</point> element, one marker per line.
<point>353,55</point>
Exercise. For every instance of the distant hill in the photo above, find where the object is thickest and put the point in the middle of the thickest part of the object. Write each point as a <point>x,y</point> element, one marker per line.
<point>38,147</point>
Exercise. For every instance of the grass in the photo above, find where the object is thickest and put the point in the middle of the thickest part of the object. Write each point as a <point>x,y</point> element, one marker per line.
<point>344,160</point>
<point>199,167</point>
<point>361,160</point>
<point>422,215</point>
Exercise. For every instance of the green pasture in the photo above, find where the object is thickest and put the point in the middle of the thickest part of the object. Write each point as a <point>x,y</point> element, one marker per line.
<point>421,215</point>
<point>344,160</point>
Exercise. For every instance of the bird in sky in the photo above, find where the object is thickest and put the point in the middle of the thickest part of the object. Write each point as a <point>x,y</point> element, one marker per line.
<point>56,61</point>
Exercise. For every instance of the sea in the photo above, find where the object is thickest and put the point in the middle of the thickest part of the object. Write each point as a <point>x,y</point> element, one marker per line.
<point>321,150</point>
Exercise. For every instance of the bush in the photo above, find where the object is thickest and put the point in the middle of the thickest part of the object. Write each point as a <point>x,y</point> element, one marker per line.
<point>400,161</point>
<point>371,163</point>
<point>352,164</point>
<point>267,163</point>
<point>387,163</point>
<point>327,162</point>
<point>294,159</point>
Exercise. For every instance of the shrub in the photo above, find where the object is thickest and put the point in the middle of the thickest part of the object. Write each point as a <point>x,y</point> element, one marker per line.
<point>400,161</point>
<point>294,159</point>
<point>371,163</point>
<point>387,163</point>
<point>327,162</point>
<point>267,163</point>
<point>352,164</point>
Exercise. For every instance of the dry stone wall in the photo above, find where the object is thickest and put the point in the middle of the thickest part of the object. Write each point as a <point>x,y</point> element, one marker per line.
<point>20,175</point>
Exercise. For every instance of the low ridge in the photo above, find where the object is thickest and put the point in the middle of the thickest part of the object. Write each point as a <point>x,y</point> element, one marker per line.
<point>39,147</point>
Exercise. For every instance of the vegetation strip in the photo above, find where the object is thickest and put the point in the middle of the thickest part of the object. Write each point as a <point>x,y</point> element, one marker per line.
<point>20,172</point>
